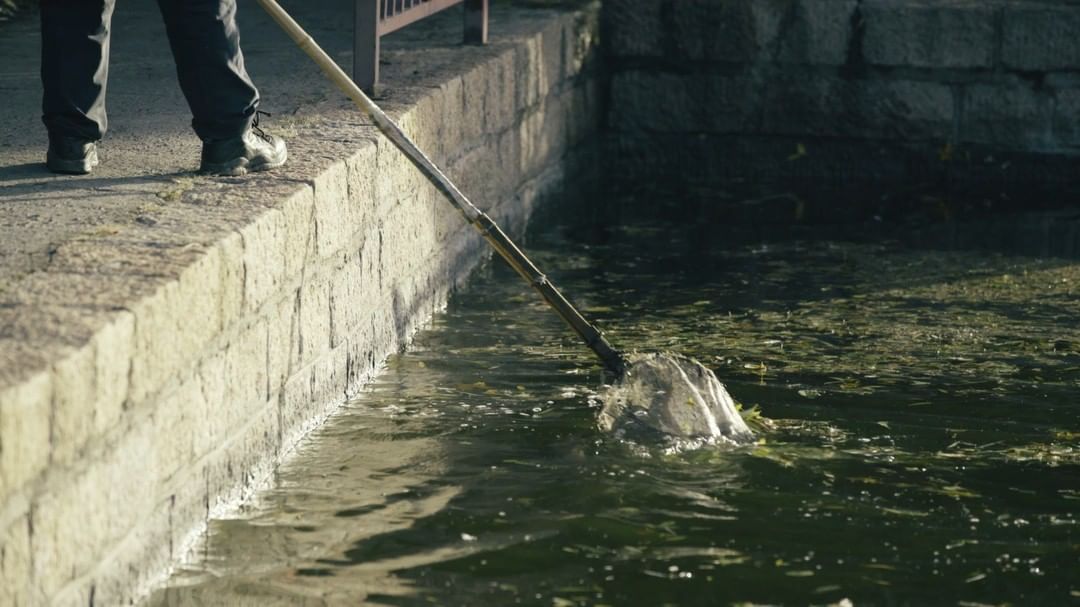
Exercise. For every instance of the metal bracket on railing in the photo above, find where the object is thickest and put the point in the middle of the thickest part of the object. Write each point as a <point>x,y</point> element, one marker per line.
<point>373,19</point>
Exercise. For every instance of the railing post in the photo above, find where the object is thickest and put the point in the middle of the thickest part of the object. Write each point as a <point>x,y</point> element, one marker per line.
<point>366,44</point>
<point>476,21</point>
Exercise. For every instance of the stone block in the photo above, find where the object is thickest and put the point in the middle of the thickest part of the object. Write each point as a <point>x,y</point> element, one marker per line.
<point>314,317</point>
<point>346,300</point>
<point>233,287</point>
<point>24,431</point>
<point>583,112</point>
<point>118,578</point>
<point>1067,118</point>
<point>1013,116</point>
<point>263,258</point>
<point>336,218</point>
<point>537,135</point>
<point>929,35</point>
<point>175,323</point>
<point>101,293</point>
<point>731,104</point>
<point>15,564</point>
<point>1040,37</point>
<point>245,459</point>
<point>551,57</point>
<point>501,94</point>
<point>474,100</point>
<point>216,417</point>
<point>90,387</point>
<point>721,32</point>
<point>581,49</point>
<point>634,28</point>
<point>132,470</point>
<point>419,122</point>
<point>74,386</point>
<point>300,227</point>
<point>179,424</point>
<point>658,101</point>
<point>114,346</point>
<point>329,381</point>
<point>474,176</point>
<point>187,508</point>
<point>396,180</point>
<point>905,110</point>
<point>527,70</point>
<point>119,256</point>
<point>451,124</point>
<point>296,407</point>
<point>245,367</point>
<point>82,516</point>
<point>283,338</point>
<point>362,197</point>
<point>817,31</point>
<point>233,387</point>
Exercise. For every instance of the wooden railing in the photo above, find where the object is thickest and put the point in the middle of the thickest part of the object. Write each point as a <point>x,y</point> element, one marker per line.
<point>376,18</point>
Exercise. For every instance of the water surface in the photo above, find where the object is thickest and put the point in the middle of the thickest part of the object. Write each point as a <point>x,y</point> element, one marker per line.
<point>924,448</point>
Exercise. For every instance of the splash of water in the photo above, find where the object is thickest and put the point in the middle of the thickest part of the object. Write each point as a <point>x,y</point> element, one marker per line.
<point>675,396</point>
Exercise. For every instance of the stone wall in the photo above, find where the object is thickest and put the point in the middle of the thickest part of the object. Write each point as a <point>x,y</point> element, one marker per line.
<point>844,89</point>
<point>148,383</point>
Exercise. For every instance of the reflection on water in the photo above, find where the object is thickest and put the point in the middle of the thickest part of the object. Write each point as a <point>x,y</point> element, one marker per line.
<point>924,450</point>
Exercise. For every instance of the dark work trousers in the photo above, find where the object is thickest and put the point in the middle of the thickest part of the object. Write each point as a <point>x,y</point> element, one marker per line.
<point>205,44</point>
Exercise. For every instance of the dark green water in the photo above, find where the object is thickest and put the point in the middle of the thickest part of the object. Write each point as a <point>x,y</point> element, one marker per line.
<point>925,448</point>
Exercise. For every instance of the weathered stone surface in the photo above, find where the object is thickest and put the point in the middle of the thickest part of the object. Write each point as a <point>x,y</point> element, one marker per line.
<point>264,252</point>
<point>1006,116</point>
<point>1040,37</point>
<point>901,110</point>
<point>183,407</point>
<point>817,32</point>
<point>634,28</point>
<point>175,323</point>
<point>24,431</point>
<point>336,217</point>
<point>1067,118</point>
<point>75,522</point>
<point>15,567</point>
<point>724,32</point>
<point>114,347</point>
<point>74,385</point>
<point>231,471</point>
<point>347,300</point>
<point>657,101</point>
<point>683,103</point>
<point>929,35</point>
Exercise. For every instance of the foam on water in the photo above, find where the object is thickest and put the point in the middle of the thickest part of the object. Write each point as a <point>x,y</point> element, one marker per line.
<point>675,396</point>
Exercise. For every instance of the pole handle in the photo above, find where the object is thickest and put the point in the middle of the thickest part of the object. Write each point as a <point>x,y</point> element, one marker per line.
<point>491,232</point>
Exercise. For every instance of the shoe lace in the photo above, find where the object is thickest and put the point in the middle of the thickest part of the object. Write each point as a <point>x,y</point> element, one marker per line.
<point>258,131</point>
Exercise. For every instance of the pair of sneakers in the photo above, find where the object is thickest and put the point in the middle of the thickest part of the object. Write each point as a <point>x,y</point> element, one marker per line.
<point>252,151</point>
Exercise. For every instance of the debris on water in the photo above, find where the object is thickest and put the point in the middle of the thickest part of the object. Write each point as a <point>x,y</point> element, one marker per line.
<point>674,396</point>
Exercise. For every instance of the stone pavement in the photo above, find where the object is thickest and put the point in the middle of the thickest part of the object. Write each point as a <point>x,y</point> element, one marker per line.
<point>166,337</point>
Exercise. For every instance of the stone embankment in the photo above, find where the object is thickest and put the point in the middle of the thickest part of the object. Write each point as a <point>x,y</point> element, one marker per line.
<point>165,338</point>
<point>845,90</point>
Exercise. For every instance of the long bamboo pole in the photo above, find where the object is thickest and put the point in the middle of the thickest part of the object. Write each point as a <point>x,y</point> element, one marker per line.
<point>613,360</point>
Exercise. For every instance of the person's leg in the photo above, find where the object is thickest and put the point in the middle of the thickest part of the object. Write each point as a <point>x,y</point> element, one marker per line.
<point>74,73</point>
<point>75,66</point>
<point>206,45</point>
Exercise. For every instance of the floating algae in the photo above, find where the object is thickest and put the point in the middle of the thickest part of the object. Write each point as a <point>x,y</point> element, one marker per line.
<point>675,396</point>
